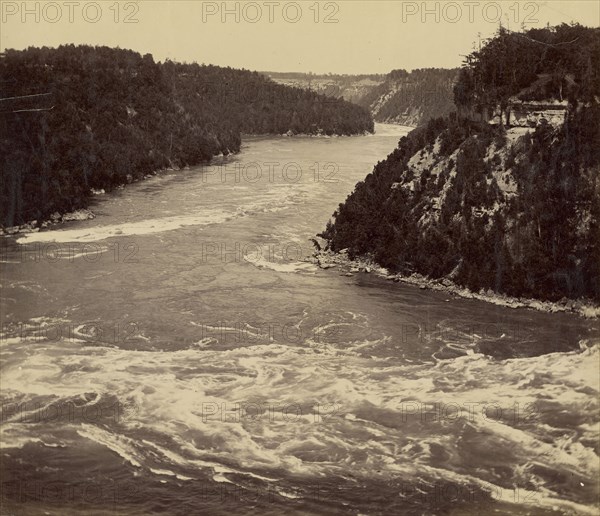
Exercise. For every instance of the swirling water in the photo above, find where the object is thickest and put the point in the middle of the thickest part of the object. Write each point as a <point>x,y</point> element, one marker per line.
<point>179,355</point>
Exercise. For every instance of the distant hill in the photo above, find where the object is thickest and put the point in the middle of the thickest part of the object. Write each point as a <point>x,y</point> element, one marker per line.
<point>350,87</point>
<point>505,195</point>
<point>78,118</point>
<point>400,97</point>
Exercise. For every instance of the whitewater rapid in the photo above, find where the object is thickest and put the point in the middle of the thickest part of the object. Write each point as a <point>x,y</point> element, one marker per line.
<point>180,354</point>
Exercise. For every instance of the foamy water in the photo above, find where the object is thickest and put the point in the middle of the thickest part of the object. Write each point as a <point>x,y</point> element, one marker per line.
<point>216,371</point>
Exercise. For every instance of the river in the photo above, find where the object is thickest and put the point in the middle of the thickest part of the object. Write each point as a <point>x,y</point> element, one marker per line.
<point>178,354</point>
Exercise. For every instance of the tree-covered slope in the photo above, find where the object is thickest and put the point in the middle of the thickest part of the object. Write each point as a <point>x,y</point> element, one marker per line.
<point>510,209</point>
<point>78,118</point>
<point>350,87</point>
<point>400,97</point>
<point>412,98</point>
<point>511,64</point>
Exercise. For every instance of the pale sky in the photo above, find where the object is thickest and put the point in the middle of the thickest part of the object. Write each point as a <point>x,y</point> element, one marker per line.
<point>345,36</point>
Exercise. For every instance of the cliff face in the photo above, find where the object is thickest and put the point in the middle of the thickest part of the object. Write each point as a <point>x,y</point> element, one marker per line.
<point>412,98</point>
<point>505,194</point>
<point>515,211</point>
<point>351,87</point>
<point>399,97</point>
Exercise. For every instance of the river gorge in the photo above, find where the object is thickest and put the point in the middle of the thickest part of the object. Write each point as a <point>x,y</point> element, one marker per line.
<point>180,353</point>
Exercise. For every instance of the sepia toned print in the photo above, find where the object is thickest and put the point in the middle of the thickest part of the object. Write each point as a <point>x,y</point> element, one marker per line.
<point>299,257</point>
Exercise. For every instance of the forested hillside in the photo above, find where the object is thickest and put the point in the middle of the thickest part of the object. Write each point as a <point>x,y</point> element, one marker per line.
<point>349,87</point>
<point>400,97</point>
<point>512,209</point>
<point>412,98</point>
<point>78,118</point>
<point>541,64</point>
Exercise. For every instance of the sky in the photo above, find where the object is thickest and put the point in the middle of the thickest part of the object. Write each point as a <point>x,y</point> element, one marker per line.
<point>345,36</point>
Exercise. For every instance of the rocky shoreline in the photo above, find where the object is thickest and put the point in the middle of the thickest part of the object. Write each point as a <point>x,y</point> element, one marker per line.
<point>56,218</point>
<point>348,267</point>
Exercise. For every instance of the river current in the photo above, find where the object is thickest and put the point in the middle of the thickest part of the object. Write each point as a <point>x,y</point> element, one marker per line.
<point>179,354</point>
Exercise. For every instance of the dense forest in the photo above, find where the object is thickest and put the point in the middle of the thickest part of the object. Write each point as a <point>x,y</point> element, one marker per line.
<point>513,210</point>
<point>78,118</point>
<point>540,64</point>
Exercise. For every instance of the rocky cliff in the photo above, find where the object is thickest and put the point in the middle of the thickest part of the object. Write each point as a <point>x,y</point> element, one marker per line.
<point>400,97</point>
<point>509,204</point>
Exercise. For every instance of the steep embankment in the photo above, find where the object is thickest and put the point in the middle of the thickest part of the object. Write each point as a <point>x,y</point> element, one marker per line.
<point>513,210</point>
<point>400,97</point>
<point>77,119</point>
<point>411,98</point>
<point>351,87</point>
